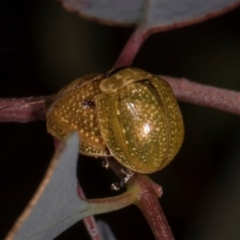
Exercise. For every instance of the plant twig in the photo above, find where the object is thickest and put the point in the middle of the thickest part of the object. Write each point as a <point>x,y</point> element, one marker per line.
<point>22,110</point>
<point>149,205</point>
<point>203,95</point>
<point>132,47</point>
<point>147,201</point>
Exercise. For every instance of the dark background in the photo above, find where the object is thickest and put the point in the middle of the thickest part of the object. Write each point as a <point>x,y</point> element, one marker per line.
<point>43,47</point>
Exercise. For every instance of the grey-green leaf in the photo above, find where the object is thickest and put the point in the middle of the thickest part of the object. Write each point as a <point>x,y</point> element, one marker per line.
<point>56,205</point>
<point>153,13</point>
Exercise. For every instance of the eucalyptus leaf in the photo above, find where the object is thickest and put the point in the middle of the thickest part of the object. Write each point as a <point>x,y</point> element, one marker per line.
<point>56,205</point>
<point>152,14</point>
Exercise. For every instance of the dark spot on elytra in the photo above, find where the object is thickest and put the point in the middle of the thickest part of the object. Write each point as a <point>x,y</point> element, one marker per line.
<point>87,104</point>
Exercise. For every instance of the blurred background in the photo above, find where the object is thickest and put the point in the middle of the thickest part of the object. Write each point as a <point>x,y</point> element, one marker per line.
<point>43,47</point>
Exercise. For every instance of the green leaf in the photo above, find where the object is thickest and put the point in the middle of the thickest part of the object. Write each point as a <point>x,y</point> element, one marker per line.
<point>152,14</point>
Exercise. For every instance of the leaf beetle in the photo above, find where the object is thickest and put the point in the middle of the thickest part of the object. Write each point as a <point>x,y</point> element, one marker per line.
<point>128,113</point>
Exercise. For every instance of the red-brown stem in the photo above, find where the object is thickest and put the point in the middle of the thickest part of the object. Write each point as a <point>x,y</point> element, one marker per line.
<point>152,210</point>
<point>203,95</point>
<point>132,47</point>
<point>147,201</point>
<point>22,109</point>
<point>89,222</point>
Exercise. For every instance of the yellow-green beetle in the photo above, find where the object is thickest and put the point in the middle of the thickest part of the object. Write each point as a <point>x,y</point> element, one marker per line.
<point>129,114</point>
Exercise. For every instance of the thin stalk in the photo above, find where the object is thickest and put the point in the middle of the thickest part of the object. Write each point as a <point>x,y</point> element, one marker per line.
<point>132,47</point>
<point>204,95</point>
<point>147,201</point>
<point>22,110</point>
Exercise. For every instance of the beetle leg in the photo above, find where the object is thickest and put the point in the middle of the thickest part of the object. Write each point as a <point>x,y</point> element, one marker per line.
<point>128,174</point>
<point>116,186</point>
<point>105,163</point>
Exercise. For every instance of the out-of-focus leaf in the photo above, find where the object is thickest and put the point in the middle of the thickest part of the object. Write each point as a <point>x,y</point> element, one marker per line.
<point>105,231</point>
<point>162,14</point>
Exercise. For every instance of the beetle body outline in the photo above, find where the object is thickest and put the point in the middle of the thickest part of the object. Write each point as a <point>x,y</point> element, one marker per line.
<point>135,118</point>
